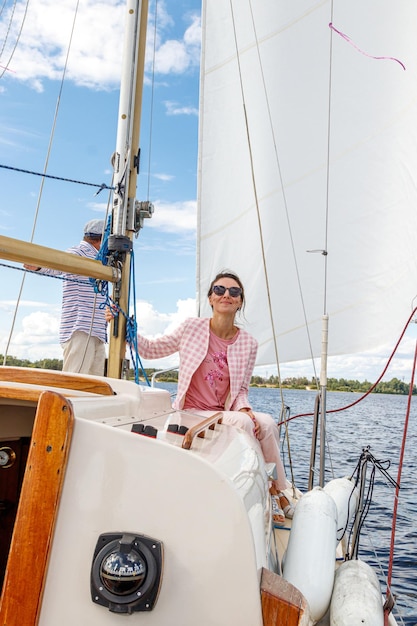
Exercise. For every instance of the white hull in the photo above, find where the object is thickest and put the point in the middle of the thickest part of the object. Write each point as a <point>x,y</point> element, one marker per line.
<point>207,507</point>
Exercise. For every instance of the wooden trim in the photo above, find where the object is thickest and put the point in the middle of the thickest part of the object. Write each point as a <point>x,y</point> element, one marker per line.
<point>30,394</point>
<point>282,603</point>
<point>36,515</point>
<point>199,429</point>
<point>49,378</point>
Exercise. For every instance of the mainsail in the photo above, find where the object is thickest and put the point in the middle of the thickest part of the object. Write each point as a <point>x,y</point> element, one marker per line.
<point>308,168</point>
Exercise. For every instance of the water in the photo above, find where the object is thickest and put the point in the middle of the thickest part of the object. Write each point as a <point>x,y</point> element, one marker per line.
<point>378,422</point>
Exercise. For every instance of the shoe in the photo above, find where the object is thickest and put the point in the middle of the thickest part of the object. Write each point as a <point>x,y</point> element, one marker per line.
<point>288,509</point>
<point>277,512</point>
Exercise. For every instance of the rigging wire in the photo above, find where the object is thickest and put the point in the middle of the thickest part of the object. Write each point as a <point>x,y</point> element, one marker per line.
<point>397,489</point>
<point>397,484</point>
<point>100,186</point>
<point>151,105</point>
<point>284,197</point>
<point>9,26</point>
<point>254,185</point>
<point>6,67</point>
<point>2,7</point>
<point>51,137</point>
<point>326,227</point>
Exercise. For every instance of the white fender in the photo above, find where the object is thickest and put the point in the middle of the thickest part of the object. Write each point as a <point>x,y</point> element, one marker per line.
<point>346,497</point>
<point>310,557</point>
<point>356,596</point>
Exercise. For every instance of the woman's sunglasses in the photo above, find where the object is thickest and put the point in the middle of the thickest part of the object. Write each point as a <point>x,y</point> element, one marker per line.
<point>234,292</point>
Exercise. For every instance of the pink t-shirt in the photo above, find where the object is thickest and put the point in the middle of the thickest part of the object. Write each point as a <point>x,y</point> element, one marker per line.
<point>210,383</point>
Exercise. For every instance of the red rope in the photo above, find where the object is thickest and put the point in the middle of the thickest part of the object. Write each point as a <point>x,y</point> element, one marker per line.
<point>370,390</point>
<point>397,489</point>
<point>400,466</point>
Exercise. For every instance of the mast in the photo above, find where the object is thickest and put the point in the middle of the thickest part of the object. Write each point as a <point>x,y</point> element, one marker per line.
<point>126,166</point>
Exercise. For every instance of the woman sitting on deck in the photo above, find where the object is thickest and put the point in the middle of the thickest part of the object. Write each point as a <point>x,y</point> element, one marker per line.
<point>216,363</point>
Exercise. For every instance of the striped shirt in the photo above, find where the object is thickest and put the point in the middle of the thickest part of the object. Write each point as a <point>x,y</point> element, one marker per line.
<point>80,303</point>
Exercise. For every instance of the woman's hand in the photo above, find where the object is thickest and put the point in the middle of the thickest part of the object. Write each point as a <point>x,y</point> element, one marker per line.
<point>256,427</point>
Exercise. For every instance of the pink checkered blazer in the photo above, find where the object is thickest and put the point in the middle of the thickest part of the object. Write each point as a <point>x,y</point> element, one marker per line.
<point>191,340</point>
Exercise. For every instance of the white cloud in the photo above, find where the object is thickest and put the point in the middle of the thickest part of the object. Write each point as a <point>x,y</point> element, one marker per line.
<point>46,36</point>
<point>365,366</point>
<point>175,217</point>
<point>168,217</point>
<point>192,36</point>
<point>37,338</point>
<point>38,328</point>
<point>9,305</point>
<point>173,108</point>
<point>164,177</point>
<point>99,207</point>
<point>95,51</point>
<point>154,324</point>
<point>173,55</point>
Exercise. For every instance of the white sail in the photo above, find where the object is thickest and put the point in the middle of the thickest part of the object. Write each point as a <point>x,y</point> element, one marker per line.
<point>324,159</point>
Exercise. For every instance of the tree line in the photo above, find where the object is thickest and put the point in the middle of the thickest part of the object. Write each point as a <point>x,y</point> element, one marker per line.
<point>393,386</point>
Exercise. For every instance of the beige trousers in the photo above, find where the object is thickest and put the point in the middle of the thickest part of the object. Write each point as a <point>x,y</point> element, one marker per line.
<point>84,354</point>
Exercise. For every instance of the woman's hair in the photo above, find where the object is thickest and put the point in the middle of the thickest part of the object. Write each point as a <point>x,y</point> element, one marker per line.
<point>227,274</point>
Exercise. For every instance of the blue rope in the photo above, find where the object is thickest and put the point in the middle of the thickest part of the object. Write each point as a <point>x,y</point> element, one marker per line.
<point>102,287</point>
<point>68,180</point>
<point>131,325</point>
<point>102,255</point>
<point>131,328</point>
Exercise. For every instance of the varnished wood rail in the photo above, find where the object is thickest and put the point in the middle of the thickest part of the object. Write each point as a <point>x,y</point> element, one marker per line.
<point>199,429</point>
<point>48,378</point>
<point>38,505</point>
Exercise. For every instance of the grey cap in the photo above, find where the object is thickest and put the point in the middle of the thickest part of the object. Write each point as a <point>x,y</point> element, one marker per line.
<point>94,228</point>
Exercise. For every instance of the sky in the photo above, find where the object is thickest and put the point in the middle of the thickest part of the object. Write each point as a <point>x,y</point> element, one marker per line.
<point>70,125</point>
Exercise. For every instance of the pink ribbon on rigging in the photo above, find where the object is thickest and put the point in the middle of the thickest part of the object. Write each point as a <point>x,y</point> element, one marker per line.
<point>3,67</point>
<point>371,56</point>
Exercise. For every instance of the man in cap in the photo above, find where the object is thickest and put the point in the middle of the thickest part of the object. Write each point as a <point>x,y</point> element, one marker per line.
<point>83,330</point>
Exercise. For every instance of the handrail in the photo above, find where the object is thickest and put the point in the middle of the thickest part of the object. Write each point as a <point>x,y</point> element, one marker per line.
<point>155,374</point>
<point>198,429</point>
